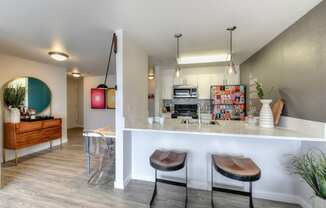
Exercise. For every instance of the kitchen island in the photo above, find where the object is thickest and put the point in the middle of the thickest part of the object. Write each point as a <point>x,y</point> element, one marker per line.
<point>269,148</point>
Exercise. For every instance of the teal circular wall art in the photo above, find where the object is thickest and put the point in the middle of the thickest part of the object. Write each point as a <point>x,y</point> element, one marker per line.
<point>38,94</point>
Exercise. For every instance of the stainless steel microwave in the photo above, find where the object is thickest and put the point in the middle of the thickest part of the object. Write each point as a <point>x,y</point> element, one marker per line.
<point>183,91</point>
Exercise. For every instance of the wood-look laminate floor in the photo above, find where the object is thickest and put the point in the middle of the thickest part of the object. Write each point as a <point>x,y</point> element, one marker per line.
<point>58,179</point>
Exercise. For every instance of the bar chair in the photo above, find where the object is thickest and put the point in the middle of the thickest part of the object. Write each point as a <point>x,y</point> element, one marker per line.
<point>169,161</point>
<point>97,147</point>
<point>237,168</point>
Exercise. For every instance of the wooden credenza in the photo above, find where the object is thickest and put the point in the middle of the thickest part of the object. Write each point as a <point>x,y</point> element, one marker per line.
<point>26,134</point>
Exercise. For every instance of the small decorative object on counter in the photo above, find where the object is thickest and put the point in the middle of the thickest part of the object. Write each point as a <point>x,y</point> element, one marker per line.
<point>266,115</point>
<point>311,167</point>
<point>251,120</point>
<point>150,120</point>
<point>162,119</point>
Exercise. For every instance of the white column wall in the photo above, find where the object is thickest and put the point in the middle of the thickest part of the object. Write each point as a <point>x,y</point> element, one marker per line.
<point>131,100</point>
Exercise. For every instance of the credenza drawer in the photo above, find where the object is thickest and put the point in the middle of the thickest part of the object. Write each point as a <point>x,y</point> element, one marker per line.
<point>52,123</point>
<point>51,133</point>
<point>28,126</point>
<point>28,139</point>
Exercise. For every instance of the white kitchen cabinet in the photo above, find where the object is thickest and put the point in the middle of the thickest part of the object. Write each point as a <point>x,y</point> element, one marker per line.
<point>204,87</point>
<point>166,87</point>
<point>192,80</point>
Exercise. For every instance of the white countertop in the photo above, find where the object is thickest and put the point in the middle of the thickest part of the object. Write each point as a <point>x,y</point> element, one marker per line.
<point>225,128</point>
<point>106,132</point>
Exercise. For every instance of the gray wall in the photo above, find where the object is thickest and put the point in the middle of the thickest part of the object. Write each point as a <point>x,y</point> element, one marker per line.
<point>295,64</point>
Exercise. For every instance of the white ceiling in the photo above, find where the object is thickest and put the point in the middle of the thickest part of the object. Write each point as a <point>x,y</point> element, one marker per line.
<point>83,28</point>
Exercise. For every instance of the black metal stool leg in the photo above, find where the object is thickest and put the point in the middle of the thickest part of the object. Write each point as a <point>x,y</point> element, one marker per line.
<point>186,184</point>
<point>251,204</point>
<point>212,185</point>
<point>155,189</point>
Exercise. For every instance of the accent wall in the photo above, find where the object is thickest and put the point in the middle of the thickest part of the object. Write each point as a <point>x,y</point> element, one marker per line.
<point>294,63</point>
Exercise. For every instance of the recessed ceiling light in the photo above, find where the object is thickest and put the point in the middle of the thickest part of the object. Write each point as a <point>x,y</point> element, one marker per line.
<point>58,56</point>
<point>76,74</point>
<point>204,59</point>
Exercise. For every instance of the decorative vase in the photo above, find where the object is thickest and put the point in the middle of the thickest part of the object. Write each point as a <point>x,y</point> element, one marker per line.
<point>14,115</point>
<point>266,115</point>
<point>7,115</point>
<point>319,202</point>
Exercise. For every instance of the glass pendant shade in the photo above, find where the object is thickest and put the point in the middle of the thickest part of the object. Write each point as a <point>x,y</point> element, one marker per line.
<point>177,72</point>
<point>232,68</point>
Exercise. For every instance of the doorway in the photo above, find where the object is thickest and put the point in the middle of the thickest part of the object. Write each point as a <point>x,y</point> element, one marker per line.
<point>75,103</point>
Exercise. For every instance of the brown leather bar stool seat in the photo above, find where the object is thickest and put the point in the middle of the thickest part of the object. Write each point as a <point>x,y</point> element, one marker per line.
<point>237,168</point>
<point>169,161</point>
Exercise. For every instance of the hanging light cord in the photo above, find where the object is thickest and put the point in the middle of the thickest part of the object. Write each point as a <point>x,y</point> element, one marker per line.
<point>231,46</point>
<point>231,29</point>
<point>178,36</point>
<point>178,51</point>
<point>115,49</point>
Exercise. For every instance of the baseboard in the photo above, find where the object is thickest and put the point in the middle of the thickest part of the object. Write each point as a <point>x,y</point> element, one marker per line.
<point>303,203</point>
<point>280,197</point>
<point>257,194</point>
<point>126,181</point>
<point>33,149</point>
<point>122,184</point>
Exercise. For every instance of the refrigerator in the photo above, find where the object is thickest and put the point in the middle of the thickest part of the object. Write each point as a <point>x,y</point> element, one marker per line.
<point>228,102</point>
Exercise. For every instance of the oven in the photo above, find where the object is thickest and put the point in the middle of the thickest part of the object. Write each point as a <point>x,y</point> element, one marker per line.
<point>185,110</point>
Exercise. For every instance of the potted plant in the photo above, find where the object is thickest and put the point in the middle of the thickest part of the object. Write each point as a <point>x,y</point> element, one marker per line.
<point>14,97</point>
<point>311,167</point>
<point>266,115</point>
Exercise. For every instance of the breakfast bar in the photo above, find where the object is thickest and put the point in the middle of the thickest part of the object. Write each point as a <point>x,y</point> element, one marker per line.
<point>269,148</point>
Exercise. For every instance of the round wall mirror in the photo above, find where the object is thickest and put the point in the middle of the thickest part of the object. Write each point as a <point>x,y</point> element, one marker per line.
<point>35,94</point>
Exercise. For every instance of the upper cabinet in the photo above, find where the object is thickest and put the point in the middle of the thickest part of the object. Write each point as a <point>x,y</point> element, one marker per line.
<point>203,78</point>
<point>166,87</point>
<point>204,87</point>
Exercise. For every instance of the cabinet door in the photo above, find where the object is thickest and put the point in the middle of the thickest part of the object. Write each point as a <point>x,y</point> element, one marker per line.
<point>166,87</point>
<point>204,87</point>
<point>192,80</point>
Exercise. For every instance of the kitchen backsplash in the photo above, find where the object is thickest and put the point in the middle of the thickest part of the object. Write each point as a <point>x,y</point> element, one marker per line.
<point>205,104</point>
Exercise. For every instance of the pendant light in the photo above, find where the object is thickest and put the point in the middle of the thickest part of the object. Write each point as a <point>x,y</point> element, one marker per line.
<point>114,49</point>
<point>177,68</point>
<point>231,66</point>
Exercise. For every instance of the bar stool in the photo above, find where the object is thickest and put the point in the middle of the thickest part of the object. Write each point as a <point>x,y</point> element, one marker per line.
<point>168,161</point>
<point>97,147</point>
<point>237,168</point>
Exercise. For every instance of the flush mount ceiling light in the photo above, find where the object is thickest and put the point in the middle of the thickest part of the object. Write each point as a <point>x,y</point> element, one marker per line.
<point>231,66</point>
<point>151,72</point>
<point>76,74</point>
<point>58,56</point>
<point>151,76</point>
<point>203,59</point>
<point>177,67</point>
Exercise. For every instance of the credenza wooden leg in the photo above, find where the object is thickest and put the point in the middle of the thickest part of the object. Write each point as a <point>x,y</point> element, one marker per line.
<point>51,145</point>
<point>4,155</point>
<point>61,143</point>
<point>16,157</point>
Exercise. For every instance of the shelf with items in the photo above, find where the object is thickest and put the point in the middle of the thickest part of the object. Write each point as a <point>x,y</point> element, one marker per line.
<point>228,102</point>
